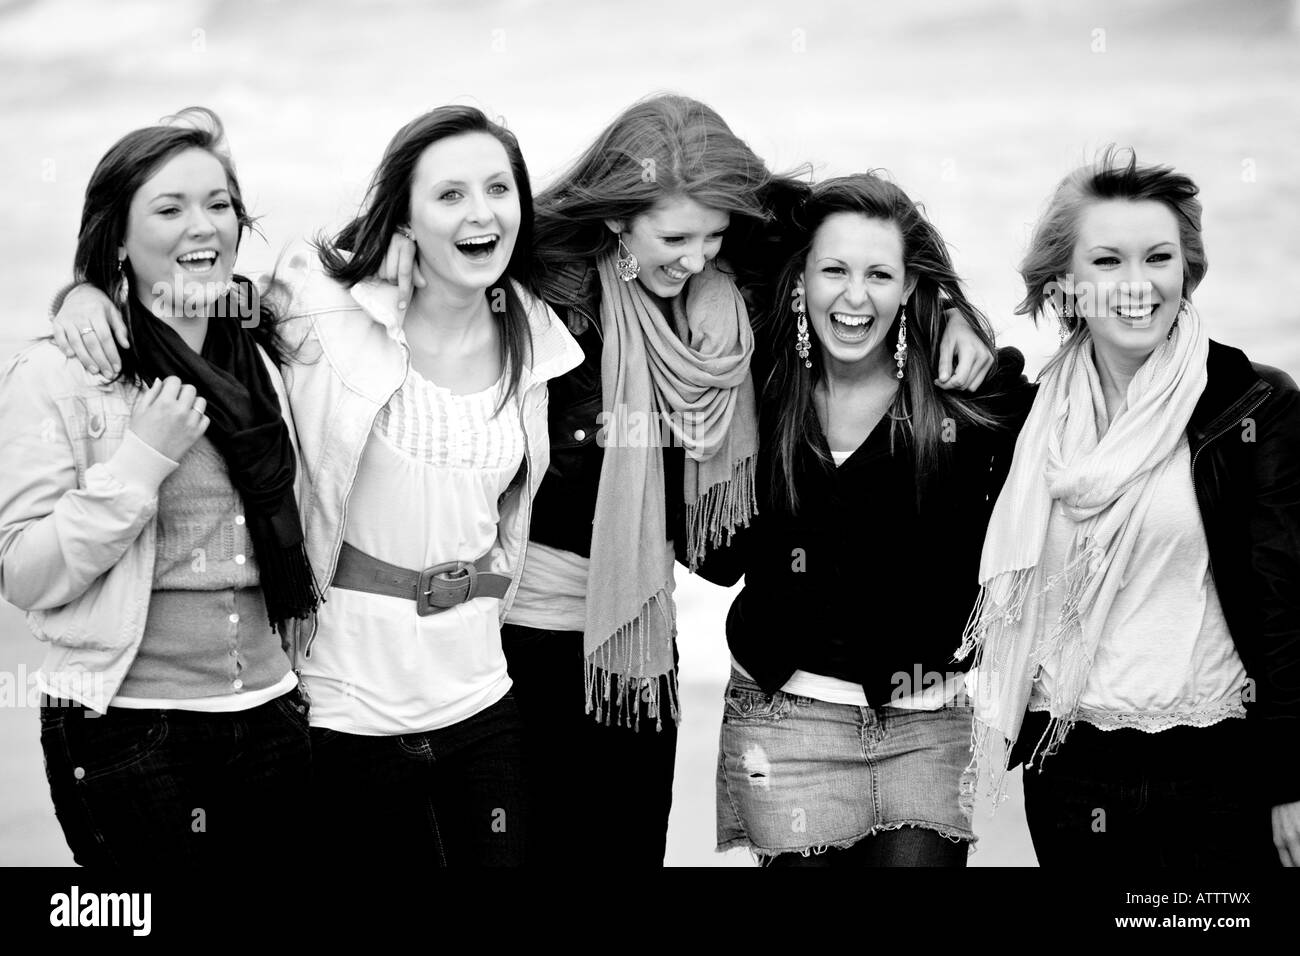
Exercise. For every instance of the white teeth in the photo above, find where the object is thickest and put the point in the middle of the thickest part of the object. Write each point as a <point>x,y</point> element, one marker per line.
<point>196,256</point>
<point>844,319</point>
<point>477,241</point>
<point>1132,313</point>
<point>675,274</point>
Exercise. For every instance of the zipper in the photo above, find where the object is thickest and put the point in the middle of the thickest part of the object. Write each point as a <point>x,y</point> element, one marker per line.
<point>343,518</point>
<point>1228,427</point>
<point>527,505</point>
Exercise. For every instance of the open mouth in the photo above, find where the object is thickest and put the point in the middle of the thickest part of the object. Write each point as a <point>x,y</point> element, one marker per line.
<point>478,248</point>
<point>675,275</point>
<point>1136,315</point>
<point>199,261</point>
<point>848,327</point>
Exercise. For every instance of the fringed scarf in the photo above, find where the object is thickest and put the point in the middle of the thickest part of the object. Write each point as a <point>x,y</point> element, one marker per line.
<point>1104,479</point>
<point>695,387</point>
<point>246,427</point>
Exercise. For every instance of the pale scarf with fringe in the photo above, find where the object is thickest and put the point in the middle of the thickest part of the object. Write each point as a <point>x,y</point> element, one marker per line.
<point>1104,482</point>
<point>697,387</point>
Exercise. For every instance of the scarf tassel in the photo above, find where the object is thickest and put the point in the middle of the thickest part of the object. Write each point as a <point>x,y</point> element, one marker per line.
<point>720,510</point>
<point>613,692</point>
<point>288,586</point>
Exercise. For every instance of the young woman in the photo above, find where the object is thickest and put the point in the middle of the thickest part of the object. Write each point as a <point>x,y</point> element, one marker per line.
<point>148,525</point>
<point>1141,574</point>
<point>648,246</point>
<point>846,731</point>
<point>423,435</point>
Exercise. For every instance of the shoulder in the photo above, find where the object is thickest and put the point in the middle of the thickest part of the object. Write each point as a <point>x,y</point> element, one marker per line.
<point>554,349</point>
<point>301,287</point>
<point>42,366</point>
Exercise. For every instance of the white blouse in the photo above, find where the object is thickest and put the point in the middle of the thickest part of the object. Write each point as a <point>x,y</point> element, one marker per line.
<point>426,492</point>
<point>1166,658</point>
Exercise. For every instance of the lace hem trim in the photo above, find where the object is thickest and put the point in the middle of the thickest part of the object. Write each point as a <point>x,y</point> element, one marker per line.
<point>1153,723</point>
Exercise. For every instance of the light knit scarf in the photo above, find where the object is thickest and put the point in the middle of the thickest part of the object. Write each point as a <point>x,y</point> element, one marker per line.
<point>1105,485</point>
<point>696,388</point>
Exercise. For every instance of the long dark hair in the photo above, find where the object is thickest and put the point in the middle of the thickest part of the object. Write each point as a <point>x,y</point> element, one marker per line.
<point>358,250</point>
<point>127,166</point>
<point>920,411</point>
<point>664,146</point>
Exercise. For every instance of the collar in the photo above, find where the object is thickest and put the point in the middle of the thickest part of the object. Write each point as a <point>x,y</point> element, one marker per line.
<point>1232,386</point>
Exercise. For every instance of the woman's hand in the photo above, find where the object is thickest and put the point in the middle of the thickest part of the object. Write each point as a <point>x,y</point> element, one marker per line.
<point>399,267</point>
<point>964,360</point>
<point>85,327</point>
<point>1286,832</point>
<point>169,417</point>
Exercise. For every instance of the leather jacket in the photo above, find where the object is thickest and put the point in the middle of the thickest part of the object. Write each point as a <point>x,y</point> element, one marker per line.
<point>1244,436</point>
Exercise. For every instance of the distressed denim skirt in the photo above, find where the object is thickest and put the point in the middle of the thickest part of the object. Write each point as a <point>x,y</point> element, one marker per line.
<point>797,775</point>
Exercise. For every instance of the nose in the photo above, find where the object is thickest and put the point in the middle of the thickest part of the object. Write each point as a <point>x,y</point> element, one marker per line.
<point>855,293</point>
<point>200,223</point>
<point>693,259</point>
<point>1135,287</point>
<point>480,211</point>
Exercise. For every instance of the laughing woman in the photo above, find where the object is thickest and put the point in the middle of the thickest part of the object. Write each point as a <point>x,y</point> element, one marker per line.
<point>846,731</point>
<point>148,526</point>
<point>1142,567</point>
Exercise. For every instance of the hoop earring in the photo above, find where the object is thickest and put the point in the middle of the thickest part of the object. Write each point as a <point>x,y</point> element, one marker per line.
<point>625,263</point>
<point>802,342</point>
<point>900,350</point>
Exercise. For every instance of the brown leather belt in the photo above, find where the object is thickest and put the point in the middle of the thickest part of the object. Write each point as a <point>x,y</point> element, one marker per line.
<point>433,590</point>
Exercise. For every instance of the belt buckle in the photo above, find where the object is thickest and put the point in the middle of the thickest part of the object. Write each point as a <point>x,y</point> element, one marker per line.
<point>455,582</point>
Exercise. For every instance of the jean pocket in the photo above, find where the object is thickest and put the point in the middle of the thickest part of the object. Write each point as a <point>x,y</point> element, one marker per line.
<point>743,703</point>
<point>103,745</point>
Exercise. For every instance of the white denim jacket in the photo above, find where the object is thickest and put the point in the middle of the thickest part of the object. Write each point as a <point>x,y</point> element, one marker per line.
<point>78,497</point>
<point>351,361</point>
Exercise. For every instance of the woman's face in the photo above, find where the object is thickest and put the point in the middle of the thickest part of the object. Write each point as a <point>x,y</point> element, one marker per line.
<point>1127,274</point>
<point>672,242</point>
<point>853,284</point>
<point>181,235</point>
<point>464,211</point>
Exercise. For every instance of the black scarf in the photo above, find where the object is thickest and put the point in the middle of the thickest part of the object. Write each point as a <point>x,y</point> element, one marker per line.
<point>246,427</point>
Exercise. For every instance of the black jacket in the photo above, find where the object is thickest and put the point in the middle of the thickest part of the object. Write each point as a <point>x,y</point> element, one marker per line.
<point>864,583</point>
<point>1245,443</point>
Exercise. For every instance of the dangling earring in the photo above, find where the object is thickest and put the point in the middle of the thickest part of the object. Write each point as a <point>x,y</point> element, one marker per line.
<point>900,351</point>
<point>1065,322</point>
<point>802,343</point>
<point>625,263</point>
<point>1170,334</point>
<point>123,297</point>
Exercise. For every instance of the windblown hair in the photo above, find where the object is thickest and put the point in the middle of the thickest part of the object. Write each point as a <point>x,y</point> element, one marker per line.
<point>663,147</point>
<point>127,166</point>
<point>920,409</point>
<point>1114,174</point>
<point>358,250</point>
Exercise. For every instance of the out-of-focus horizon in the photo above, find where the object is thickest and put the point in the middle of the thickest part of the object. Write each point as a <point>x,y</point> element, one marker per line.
<point>976,107</point>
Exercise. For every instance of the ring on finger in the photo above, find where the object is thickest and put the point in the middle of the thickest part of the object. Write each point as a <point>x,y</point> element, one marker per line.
<point>87,331</point>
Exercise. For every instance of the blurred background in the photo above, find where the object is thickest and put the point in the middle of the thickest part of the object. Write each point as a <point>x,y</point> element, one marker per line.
<point>976,107</point>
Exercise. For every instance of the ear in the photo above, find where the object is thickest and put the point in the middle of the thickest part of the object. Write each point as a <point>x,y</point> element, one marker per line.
<point>616,226</point>
<point>909,286</point>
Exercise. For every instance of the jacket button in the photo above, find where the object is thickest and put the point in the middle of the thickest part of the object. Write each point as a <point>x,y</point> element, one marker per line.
<point>579,435</point>
<point>239,559</point>
<point>239,519</point>
<point>237,684</point>
<point>79,773</point>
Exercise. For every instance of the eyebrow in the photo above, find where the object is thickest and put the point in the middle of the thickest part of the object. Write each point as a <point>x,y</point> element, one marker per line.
<point>222,189</point>
<point>1166,242</point>
<point>460,182</point>
<point>874,265</point>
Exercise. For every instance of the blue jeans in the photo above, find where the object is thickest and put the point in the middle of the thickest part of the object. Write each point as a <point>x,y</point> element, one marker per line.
<point>449,797</point>
<point>1183,797</point>
<point>150,788</point>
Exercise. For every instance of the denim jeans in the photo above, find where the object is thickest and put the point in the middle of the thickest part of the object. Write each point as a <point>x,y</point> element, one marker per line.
<point>594,786</point>
<point>1183,797</point>
<point>453,797</point>
<point>150,788</point>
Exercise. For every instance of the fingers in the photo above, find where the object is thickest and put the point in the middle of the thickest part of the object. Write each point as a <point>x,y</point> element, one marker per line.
<point>201,405</point>
<point>980,370</point>
<point>187,396</point>
<point>61,339</point>
<point>79,350</point>
<point>947,357</point>
<point>99,343</point>
<point>171,388</point>
<point>150,395</point>
<point>388,271</point>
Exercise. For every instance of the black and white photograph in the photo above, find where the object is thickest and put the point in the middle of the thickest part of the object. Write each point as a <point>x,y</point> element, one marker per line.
<point>588,438</point>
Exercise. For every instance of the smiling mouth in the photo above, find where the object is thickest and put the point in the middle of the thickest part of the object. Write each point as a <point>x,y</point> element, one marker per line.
<point>198,261</point>
<point>849,327</point>
<point>677,275</point>
<point>1136,315</point>
<point>478,248</point>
